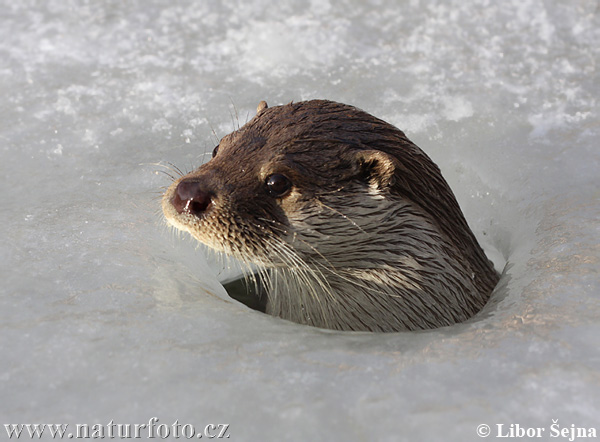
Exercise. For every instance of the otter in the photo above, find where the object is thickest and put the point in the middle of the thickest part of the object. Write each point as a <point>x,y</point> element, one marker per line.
<point>346,223</point>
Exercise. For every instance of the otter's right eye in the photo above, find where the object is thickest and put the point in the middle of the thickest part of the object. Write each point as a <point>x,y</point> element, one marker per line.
<point>215,150</point>
<point>278,185</point>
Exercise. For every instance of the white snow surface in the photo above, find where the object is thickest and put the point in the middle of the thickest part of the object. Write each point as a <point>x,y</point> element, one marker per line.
<point>105,314</point>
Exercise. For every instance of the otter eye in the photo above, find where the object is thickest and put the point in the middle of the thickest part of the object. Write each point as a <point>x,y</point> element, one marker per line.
<point>215,150</point>
<point>278,184</point>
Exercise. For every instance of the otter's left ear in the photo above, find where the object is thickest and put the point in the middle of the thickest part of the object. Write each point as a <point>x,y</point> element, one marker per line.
<point>261,107</point>
<point>376,167</point>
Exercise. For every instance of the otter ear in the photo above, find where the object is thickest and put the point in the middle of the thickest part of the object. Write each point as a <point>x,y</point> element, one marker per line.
<point>376,168</point>
<point>261,107</point>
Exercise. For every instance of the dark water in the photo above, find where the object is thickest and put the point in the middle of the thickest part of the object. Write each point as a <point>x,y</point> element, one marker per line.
<point>247,293</point>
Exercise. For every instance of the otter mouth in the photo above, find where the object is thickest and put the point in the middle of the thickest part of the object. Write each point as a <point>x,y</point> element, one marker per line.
<point>190,206</point>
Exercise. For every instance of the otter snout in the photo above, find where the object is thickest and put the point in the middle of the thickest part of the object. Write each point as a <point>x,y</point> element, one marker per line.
<point>191,197</point>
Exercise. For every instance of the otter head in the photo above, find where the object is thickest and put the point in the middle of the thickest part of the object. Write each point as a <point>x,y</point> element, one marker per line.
<point>330,195</point>
<point>266,178</point>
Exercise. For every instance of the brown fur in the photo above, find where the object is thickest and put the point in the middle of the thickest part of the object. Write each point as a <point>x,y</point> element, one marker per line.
<point>369,237</point>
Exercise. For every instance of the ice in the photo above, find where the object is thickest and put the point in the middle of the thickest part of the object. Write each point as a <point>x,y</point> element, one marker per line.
<point>106,314</point>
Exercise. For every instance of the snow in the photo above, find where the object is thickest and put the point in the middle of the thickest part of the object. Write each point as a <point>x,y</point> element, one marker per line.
<point>105,314</point>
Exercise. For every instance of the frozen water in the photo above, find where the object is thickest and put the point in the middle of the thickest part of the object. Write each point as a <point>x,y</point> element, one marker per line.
<point>107,315</point>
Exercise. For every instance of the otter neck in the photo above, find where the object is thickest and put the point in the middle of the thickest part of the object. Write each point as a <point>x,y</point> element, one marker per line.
<point>414,282</point>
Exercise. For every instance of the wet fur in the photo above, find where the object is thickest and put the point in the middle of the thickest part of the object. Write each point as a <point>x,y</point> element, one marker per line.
<point>370,236</point>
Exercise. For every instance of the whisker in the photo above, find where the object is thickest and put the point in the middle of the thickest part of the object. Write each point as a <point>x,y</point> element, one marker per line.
<point>236,113</point>
<point>296,237</point>
<point>212,129</point>
<point>306,276</point>
<point>176,169</point>
<point>232,120</point>
<point>170,167</point>
<point>330,267</point>
<point>167,174</point>
<point>342,215</point>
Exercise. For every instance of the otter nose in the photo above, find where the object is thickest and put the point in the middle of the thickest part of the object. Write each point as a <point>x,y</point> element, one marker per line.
<point>190,197</point>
